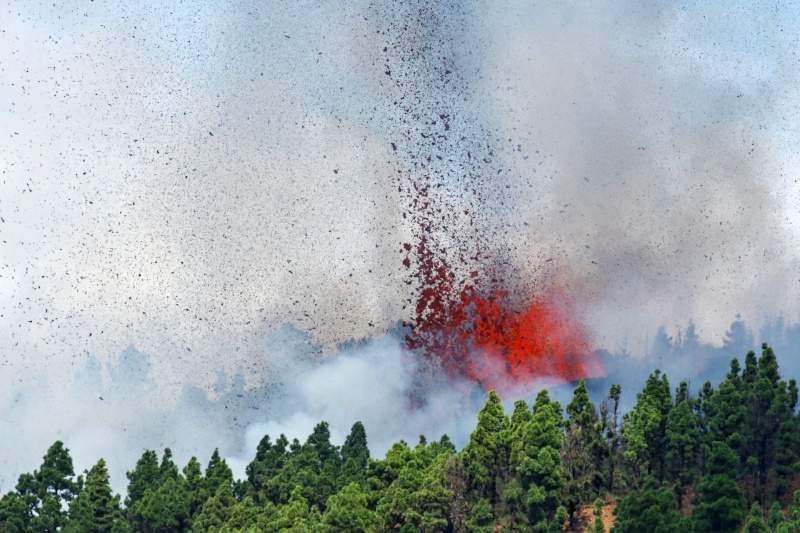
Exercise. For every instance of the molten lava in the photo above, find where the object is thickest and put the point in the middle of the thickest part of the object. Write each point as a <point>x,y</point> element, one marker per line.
<point>482,335</point>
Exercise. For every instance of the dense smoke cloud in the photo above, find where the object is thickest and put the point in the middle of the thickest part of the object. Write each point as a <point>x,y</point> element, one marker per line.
<point>375,382</point>
<point>189,180</point>
<point>663,180</point>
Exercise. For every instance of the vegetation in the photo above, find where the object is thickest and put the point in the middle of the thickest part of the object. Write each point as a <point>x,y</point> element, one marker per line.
<point>723,461</point>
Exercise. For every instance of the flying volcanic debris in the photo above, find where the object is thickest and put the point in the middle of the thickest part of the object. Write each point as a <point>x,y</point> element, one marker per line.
<point>473,316</point>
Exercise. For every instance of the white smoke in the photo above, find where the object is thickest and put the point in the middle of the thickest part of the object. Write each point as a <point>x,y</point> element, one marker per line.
<point>376,382</point>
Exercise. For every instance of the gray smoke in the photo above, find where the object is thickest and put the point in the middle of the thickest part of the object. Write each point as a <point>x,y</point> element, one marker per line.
<point>374,381</point>
<point>663,181</point>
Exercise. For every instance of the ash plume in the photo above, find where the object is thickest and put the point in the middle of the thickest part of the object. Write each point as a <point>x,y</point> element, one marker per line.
<point>662,180</point>
<point>189,180</point>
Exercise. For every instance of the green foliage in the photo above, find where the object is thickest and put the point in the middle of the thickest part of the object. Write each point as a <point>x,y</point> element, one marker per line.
<point>725,412</point>
<point>145,476</point>
<point>355,457</point>
<point>246,516</point>
<point>683,445</point>
<point>348,511</point>
<point>644,434</point>
<point>382,473</point>
<point>96,509</point>
<point>269,460</point>
<point>529,471</point>
<point>355,446</point>
<point>418,495</point>
<point>486,453</point>
<point>652,509</point>
<point>294,516</point>
<point>48,491</point>
<point>769,404</point>
<point>13,514</point>
<point>313,466</point>
<point>536,459</point>
<point>775,516</point>
<point>755,522</point>
<point>216,511</point>
<point>160,499</point>
<point>583,449</point>
<point>722,504</point>
<point>481,519</point>
<point>218,474</point>
<point>195,486</point>
<point>167,469</point>
<point>165,509</point>
<point>598,526</point>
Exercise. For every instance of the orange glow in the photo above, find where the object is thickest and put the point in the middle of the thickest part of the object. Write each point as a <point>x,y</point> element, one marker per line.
<point>482,335</point>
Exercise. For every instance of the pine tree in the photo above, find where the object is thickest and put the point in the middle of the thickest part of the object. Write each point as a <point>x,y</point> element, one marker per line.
<point>244,516</point>
<point>320,442</point>
<point>582,451</point>
<point>722,504</point>
<point>216,510</point>
<point>96,509</point>
<point>610,422</point>
<point>769,410</point>
<point>419,495</point>
<point>321,462</point>
<point>776,517</point>
<point>485,455</point>
<point>644,433</point>
<point>787,439</point>
<point>269,460</point>
<point>218,473</point>
<point>432,498</point>
<point>355,446</point>
<point>195,485</point>
<point>295,515</point>
<point>48,491</point>
<point>355,457</point>
<point>167,469</point>
<point>683,442</point>
<point>166,509</point>
<point>382,473</point>
<point>521,415</point>
<point>725,413</point>
<point>145,476</point>
<point>536,461</point>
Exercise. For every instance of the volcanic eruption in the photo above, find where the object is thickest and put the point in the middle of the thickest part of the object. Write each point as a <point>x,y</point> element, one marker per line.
<point>480,326</point>
<point>472,313</point>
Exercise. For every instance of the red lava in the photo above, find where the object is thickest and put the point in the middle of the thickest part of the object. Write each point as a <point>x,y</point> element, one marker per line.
<point>482,336</point>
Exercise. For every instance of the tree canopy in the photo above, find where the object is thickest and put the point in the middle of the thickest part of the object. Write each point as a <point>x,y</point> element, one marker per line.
<point>721,460</point>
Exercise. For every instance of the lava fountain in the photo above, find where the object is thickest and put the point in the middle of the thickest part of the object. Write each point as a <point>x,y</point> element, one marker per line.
<point>472,314</point>
<point>487,334</point>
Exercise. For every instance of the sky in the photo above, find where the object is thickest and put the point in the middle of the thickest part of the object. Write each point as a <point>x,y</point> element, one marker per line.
<point>187,178</point>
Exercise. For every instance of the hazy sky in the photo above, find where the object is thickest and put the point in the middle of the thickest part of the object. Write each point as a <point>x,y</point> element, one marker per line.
<point>184,177</point>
